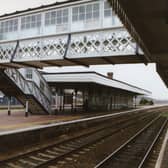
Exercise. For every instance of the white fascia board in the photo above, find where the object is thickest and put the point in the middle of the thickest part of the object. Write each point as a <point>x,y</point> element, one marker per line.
<point>93,78</point>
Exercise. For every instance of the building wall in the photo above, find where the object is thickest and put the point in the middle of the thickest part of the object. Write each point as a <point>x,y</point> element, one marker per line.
<point>106,99</point>
<point>93,98</point>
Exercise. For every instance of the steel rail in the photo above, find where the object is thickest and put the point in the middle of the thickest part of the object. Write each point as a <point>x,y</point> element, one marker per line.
<point>55,160</point>
<point>153,144</point>
<point>103,163</point>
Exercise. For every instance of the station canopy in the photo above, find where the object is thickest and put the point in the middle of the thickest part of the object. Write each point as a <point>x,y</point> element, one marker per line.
<point>92,78</point>
<point>147,22</point>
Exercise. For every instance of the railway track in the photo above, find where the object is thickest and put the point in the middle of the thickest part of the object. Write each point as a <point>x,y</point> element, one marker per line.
<point>164,161</point>
<point>54,153</point>
<point>136,151</point>
<point>152,159</point>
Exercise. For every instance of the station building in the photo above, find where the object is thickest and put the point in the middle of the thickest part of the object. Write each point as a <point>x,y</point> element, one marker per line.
<point>90,91</point>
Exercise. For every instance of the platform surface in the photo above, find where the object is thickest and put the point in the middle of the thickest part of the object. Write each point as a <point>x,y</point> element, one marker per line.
<point>17,120</point>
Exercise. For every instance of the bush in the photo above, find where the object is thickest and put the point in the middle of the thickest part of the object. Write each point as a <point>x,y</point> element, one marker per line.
<point>151,102</point>
<point>144,101</point>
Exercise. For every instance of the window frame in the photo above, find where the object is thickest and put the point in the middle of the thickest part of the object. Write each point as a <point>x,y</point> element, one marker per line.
<point>31,21</point>
<point>29,74</point>
<point>89,10</point>
<point>108,12</point>
<point>9,26</point>
<point>56,17</point>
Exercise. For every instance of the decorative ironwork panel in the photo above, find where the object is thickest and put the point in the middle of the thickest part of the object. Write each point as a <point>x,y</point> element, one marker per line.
<point>54,47</point>
<point>99,43</point>
<point>102,43</point>
<point>6,51</point>
<point>42,49</point>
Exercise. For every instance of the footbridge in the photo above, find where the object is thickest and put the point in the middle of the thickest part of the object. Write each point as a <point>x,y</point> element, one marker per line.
<point>78,32</point>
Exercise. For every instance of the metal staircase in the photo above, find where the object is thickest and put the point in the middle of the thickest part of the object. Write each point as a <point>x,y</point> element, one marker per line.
<point>13,83</point>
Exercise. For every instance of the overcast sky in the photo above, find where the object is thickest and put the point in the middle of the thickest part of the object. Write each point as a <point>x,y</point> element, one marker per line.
<point>139,75</point>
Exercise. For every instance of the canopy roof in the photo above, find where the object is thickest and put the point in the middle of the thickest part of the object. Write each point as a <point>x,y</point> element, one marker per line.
<point>92,77</point>
<point>147,22</point>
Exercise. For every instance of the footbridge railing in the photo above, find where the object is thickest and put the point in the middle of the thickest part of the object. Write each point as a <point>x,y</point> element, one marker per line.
<point>29,88</point>
<point>97,43</point>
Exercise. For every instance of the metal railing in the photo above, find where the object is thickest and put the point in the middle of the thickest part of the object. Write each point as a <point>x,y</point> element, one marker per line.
<point>29,88</point>
<point>46,90</point>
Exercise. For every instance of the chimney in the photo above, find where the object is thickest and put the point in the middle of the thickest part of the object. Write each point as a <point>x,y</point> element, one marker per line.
<point>110,75</point>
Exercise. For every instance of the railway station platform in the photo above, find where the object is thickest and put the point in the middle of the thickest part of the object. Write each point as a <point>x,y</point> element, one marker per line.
<point>162,161</point>
<point>17,119</point>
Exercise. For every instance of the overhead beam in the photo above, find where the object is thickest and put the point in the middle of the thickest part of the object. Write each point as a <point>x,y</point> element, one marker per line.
<point>7,66</point>
<point>52,63</point>
<point>28,65</point>
<point>76,62</point>
<point>108,60</point>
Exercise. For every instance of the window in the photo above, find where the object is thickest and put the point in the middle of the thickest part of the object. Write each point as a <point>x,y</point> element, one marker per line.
<point>32,21</point>
<point>107,10</point>
<point>29,73</point>
<point>42,85</point>
<point>79,13</point>
<point>9,26</point>
<point>58,17</point>
<point>86,12</point>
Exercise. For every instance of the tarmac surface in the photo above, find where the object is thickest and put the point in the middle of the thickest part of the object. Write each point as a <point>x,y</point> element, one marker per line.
<point>17,120</point>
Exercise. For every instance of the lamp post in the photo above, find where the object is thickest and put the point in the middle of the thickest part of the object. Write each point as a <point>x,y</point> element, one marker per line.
<point>9,106</point>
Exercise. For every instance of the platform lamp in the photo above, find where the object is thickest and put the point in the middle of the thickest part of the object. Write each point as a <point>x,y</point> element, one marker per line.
<point>76,94</point>
<point>9,105</point>
<point>27,107</point>
<point>135,105</point>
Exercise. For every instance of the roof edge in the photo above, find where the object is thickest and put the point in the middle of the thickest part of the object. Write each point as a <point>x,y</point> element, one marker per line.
<point>93,72</point>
